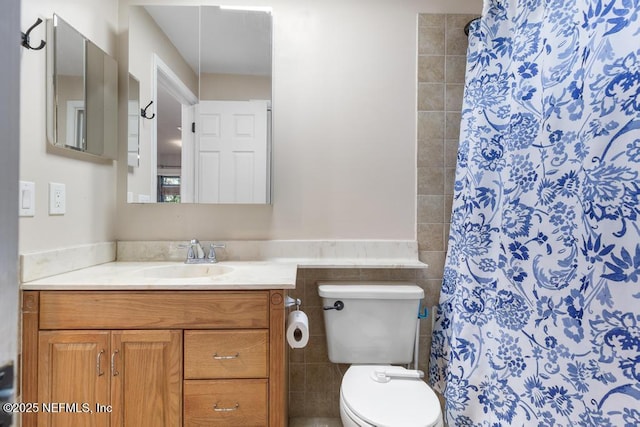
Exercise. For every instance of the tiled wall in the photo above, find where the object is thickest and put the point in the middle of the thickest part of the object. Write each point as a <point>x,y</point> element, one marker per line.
<point>314,382</point>
<point>442,48</point>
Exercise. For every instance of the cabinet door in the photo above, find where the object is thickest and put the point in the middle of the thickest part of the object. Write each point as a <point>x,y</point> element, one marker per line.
<point>73,377</point>
<point>146,378</point>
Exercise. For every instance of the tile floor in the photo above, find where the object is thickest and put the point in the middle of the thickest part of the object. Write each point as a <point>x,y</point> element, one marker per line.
<point>315,422</point>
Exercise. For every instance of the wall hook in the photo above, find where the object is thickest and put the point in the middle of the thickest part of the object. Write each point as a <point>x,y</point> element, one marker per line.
<point>25,37</point>
<point>143,111</point>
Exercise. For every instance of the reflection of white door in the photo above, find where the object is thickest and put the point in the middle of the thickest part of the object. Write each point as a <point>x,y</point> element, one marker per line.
<point>187,171</point>
<point>231,152</point>
<point>75,124</point>
<point>133,134</point>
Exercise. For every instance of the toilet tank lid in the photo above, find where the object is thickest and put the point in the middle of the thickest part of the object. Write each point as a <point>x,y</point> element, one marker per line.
<point>370,290</point>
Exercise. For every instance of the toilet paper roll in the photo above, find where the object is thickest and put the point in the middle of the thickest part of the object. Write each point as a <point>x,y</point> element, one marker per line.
<point>297,329</point>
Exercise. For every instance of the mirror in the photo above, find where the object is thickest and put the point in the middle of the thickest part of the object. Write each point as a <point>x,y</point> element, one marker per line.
<point>209,85</point>
<point>82,88</point>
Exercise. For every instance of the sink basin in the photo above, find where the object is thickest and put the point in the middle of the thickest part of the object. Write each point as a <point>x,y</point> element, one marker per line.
<point>186,271</point>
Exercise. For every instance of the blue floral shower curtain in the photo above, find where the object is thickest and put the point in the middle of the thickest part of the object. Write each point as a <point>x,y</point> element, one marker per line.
<point>539,315</point>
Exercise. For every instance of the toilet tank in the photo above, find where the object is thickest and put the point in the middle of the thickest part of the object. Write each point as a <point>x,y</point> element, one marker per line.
<point>377,322</point>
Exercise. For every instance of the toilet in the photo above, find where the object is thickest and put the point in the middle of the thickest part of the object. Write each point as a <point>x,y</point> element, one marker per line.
<point>372,327</point>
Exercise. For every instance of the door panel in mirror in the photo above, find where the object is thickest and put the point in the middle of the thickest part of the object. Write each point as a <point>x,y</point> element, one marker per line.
<point>232,60</point>
<point>133,123</point>
<point>232,152</point>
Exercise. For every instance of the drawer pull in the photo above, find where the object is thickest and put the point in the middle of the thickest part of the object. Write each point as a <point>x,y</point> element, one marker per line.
<point>98,360</point>
<point>216,409</point>
<point>216,357</point>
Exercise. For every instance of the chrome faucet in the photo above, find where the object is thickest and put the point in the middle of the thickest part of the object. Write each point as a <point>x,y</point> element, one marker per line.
<point>195,254</point>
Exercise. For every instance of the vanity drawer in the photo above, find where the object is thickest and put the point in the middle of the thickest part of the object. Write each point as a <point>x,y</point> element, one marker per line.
<point>153,310</point>
<point>226,354</point>
<point>225,403</point>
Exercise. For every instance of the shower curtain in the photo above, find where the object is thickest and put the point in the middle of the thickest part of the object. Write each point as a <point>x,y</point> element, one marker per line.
<point>539,315</point>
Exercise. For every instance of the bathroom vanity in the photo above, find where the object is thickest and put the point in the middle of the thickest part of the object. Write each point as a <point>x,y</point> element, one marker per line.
<point>149,340</point>
<point>144,352</point>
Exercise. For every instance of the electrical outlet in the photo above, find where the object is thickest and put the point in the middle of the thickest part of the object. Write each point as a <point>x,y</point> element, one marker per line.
<point>57,199</point>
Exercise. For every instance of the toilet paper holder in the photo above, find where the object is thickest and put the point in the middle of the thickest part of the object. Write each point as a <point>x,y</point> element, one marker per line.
<point>289,302</point>
<point>297,329</point>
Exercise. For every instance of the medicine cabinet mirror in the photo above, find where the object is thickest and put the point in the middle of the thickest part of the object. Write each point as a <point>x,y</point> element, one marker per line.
<point>205,90</point>
<point>82,88</point>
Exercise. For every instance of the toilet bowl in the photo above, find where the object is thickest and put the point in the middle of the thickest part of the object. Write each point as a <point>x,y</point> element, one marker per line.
<point>400,402</point>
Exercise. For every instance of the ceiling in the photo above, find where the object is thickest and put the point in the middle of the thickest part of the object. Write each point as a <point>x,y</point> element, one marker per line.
<point>229,41</point>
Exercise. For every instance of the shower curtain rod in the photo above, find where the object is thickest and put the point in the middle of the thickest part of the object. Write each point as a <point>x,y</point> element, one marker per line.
<point>466,27</point>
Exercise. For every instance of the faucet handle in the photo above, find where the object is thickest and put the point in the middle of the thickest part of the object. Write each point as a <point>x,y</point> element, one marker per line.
<point>190,253</point>
<point>212,251</point>
<point>189,247</point>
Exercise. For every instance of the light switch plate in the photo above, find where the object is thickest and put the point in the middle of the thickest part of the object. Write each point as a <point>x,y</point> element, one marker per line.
<point>57,199</point>
<point>27,202</point>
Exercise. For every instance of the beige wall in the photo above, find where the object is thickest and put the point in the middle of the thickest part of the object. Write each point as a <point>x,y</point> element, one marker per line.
<point>314,382</point>
<point>344,100</point>
<point>90,186</point>
<point>234,87</point>
<point>344,132</point>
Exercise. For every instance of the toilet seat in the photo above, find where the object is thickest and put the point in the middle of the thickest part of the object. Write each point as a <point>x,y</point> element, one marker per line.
<point>403,402</point>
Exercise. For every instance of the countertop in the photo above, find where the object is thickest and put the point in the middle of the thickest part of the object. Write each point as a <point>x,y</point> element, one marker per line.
<point>242,275</point>
<point>160,265</point>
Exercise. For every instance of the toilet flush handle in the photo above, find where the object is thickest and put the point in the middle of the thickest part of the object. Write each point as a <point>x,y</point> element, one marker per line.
<point>338,305</point>
<point>384,376</point>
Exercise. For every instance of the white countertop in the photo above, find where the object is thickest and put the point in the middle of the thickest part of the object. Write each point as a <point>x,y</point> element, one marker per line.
<point>158,276</point>
<point>160,265</point>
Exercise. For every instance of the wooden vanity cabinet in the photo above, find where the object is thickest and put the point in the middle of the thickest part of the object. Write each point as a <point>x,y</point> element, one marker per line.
<point>69,363</point>
<point>110,378</point>
<point>154,358</point>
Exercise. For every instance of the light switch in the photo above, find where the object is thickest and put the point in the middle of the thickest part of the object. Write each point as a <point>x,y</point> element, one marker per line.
<point>27,203</point>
